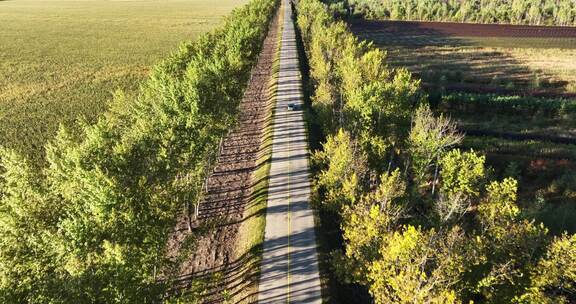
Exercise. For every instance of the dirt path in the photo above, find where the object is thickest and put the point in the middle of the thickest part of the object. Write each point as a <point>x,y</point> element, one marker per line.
<point>229,187</point>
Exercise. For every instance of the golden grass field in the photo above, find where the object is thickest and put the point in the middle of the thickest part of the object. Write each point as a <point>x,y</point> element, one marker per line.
<point>62,59</point>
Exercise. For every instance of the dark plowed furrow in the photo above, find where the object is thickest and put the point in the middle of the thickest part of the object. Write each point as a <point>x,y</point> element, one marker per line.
<point>229,186</point>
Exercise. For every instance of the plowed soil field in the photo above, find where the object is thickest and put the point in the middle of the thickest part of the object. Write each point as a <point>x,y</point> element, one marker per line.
<point>464,29</point>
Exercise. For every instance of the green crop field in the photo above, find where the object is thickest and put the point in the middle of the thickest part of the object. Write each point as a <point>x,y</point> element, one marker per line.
<point>513,95</point>
<point>63,59</point>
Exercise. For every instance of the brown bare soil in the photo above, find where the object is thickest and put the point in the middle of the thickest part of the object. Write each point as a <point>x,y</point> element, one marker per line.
<point>480,58</point>
<point>465,29</point>
<point>213,257</point>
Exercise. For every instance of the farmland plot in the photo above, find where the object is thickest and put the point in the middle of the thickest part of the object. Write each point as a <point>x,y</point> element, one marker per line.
<point>61,60</point>
<point>511,88</point>
<point>481,58</point>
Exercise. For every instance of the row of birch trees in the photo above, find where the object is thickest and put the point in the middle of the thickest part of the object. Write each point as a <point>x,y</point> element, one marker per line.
<point>92,226</point>
<point>421,220</point>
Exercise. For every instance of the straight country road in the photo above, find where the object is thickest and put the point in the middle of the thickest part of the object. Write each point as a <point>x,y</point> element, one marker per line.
<point>289,272</point>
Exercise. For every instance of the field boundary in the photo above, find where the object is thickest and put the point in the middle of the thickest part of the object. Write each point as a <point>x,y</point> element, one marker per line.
<point>252,229</point>
<point>470,29</point>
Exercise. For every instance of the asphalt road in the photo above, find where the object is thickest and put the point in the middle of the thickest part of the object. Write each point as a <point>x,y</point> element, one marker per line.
<point>289,272</point>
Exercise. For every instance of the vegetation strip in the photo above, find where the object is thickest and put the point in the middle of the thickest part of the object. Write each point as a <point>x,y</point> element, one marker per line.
<point>221,257</point>
<point>252,229</point>
<point>94,224</point>
<point>421,221</point>
<point>512,93</point>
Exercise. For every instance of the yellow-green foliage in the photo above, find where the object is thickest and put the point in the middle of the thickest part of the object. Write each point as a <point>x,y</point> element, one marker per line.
<point>371,218</point>
<point>402,274</point>
<point>342,164</point>
<point>93,227</point>
<point>555,273</point>
<point>354,88</point>
<point>429,139</point>
<point>462,173</point>
<point>466,242</point>
<point>499,209</point>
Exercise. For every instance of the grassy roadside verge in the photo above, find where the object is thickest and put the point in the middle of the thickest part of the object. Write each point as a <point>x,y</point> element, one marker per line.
<point>249,247</point>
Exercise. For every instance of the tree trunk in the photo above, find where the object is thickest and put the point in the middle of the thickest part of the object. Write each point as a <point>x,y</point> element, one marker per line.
<point>435,177</point>
<point>189,215</point>
<point>391,161</point>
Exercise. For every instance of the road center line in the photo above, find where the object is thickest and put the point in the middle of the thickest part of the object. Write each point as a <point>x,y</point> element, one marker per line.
<point>283,279</point>
<point>289,218</point>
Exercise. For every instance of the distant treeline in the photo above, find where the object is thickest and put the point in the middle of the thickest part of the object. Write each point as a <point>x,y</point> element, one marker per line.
<point>534,12</point>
